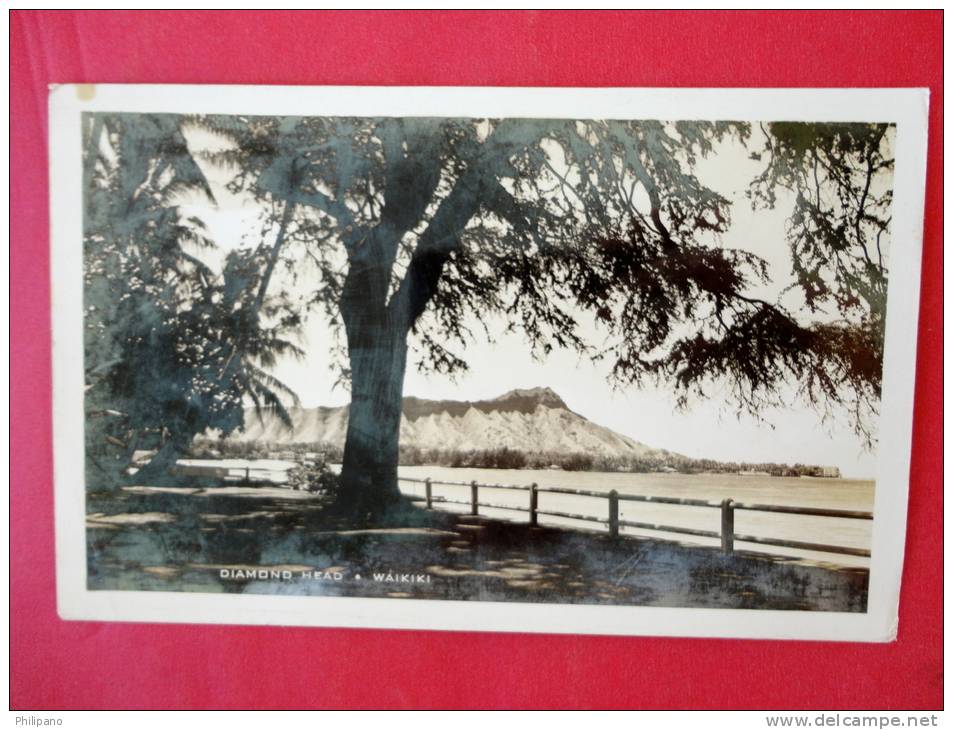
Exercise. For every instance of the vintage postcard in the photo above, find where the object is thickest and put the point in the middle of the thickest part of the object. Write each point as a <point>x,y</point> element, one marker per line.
<point>611,361</point>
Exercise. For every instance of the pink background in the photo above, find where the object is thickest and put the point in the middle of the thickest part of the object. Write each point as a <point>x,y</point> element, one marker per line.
<point>58,664</point>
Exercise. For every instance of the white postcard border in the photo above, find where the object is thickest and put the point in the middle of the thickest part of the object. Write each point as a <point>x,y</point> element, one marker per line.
<point>905,107</point>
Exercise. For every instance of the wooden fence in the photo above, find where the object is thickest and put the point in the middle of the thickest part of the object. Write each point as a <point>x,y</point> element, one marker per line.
<point>728,507</point>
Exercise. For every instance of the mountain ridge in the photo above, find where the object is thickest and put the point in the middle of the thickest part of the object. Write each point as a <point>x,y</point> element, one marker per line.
<point>530,420</point>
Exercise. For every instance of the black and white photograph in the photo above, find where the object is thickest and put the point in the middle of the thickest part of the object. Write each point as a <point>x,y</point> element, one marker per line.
<point>501,354</point>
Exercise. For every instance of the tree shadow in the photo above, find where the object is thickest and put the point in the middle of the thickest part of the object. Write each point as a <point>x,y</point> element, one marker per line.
<point>185,540</point>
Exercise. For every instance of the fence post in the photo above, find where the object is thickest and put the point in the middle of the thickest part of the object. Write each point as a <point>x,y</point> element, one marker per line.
<point>727,526</point>
<point>247,475</point>
<point>474,506</point>
<point>614,513</point>
<point>429,492</point>
<point>533,504</point>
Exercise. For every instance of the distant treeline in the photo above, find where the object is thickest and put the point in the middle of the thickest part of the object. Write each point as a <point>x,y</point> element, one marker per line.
<point>505,458</point>
<point>211,448</point>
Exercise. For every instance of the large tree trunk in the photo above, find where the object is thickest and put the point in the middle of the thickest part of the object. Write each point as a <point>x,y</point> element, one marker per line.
<point>378,357</point>
<point>377,326</point>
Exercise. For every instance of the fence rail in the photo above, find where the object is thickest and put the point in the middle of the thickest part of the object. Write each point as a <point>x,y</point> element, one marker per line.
<point>727,507</point>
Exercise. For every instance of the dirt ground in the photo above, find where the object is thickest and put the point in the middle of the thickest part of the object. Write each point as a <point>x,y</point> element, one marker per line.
<point>277,541</point>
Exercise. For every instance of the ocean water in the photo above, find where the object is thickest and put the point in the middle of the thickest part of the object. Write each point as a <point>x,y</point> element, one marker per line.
<point>259,470</point>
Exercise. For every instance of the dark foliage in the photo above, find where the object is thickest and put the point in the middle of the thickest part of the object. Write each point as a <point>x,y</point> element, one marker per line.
<point>313,476</point>
<point>414,232</point>
<point>172,348</point>
<point>838,232</point>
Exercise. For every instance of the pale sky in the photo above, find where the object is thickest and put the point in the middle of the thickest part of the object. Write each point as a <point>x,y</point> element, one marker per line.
<point>709,428</point>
